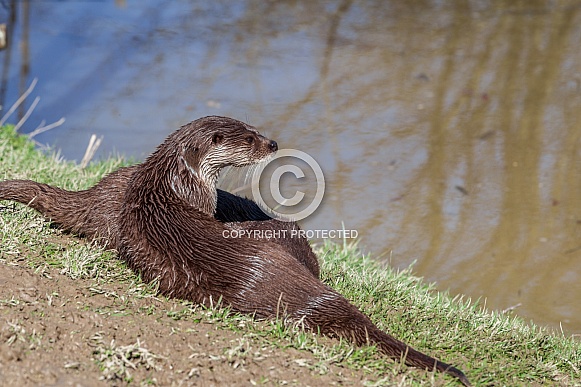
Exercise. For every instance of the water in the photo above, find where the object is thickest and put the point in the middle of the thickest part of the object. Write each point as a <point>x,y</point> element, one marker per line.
<point>449,132</point>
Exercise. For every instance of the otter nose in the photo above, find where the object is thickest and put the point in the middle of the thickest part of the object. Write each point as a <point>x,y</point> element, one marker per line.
<point>273,145</point>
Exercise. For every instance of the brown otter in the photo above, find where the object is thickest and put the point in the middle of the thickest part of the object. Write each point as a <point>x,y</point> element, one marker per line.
<point>94,213</point>
<point>167,233</point>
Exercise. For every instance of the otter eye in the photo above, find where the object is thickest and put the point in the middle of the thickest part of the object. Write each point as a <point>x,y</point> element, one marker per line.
<point>249,139</point>
<point>217,138</point>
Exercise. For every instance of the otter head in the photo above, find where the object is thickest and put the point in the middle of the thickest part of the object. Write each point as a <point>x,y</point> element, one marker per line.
<point>195,154</point>
<point>212,143</point>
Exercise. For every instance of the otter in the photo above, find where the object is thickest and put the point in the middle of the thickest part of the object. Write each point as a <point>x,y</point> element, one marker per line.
<point>168,234</point>
<point>167,230</point>
<point>94,213</point>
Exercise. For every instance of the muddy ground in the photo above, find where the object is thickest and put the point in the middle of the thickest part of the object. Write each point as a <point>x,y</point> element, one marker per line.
<point>56,331</point>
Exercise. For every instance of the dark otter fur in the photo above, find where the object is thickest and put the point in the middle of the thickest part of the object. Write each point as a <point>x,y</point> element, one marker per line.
<point>91,213</point>
<point>280,233</point>
<point>166,232</point>
<point>94,213</point>
<point>232,208</point>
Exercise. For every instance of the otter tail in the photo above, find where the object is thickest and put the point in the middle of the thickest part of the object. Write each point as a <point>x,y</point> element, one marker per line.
<point>349,323</point>
<point>396,349</point>
<point>64,208</point>
<point>44,198</point>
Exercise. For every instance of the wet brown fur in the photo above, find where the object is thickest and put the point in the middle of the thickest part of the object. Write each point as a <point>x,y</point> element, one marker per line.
<point>91,213</point>
<point>167,233</point>
<point>94,213</point>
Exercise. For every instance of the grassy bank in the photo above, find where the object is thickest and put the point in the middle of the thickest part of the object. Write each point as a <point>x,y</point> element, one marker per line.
<point>491,348</point>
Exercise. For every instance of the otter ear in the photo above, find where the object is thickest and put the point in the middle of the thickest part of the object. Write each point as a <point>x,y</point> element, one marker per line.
<point>217,138</point>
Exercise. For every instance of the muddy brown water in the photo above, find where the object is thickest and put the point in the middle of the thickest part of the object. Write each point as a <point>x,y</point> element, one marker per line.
<point>449,133</point>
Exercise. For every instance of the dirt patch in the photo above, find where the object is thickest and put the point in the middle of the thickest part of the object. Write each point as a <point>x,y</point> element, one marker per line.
<point>58,331</point>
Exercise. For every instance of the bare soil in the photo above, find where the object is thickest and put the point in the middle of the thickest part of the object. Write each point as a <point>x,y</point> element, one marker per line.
<point>56,331</point>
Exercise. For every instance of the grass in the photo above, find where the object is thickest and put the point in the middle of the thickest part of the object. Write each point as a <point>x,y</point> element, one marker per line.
<point>116,362</point>
<point>492,348</point>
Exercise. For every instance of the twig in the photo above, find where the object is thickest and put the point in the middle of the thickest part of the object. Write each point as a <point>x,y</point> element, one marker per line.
<point>94,143</point>
<point>28,113</point>
<point>511,308</point>
<point>42,129</point>
<point>18,101</point>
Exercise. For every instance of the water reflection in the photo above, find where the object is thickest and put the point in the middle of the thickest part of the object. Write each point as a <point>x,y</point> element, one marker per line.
<point>448,132</point>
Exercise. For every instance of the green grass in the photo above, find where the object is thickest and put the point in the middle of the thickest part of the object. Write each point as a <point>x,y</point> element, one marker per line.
<point>491,348</point>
